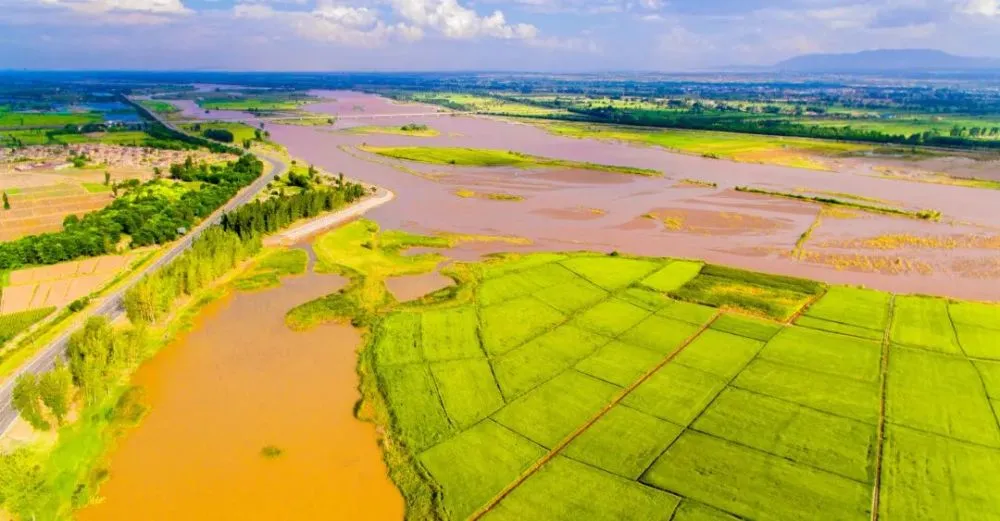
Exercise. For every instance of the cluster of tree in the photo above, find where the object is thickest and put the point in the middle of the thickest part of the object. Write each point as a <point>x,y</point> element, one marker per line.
<point>99,356</point>
<point>213,254</point>
<point>414,127</point>
<point>147,215</point>
<point>219,134</point>
<point>263,217</point>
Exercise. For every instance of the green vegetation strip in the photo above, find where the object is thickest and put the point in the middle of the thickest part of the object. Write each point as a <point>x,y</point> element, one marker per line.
<point>927,215</point>
<point>494,158</point>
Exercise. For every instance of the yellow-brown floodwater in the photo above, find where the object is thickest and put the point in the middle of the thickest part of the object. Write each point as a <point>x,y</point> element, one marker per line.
<point>240,381</point>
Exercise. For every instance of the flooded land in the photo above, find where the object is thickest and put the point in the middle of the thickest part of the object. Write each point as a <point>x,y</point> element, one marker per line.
<point>574,210</point>
<point>250,420</point>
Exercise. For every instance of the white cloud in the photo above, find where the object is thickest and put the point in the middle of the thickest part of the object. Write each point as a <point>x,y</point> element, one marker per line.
<point>157,7</point>
<point>990,8</point>
<point>334,23</point>
<point>455,21</point>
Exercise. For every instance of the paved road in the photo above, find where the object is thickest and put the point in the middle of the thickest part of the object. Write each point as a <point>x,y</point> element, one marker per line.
<point>111,305</point>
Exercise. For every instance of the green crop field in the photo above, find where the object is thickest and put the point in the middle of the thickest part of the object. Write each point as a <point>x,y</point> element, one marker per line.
<point>250,104</point>
<point>748,148</point>
<point>493,158</point>
<point>161,107</point>
<point>585,386</point>
<point>13,323</point>
<point>47,119</point>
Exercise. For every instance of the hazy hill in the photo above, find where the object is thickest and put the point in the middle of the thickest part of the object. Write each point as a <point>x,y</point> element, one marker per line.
<point>886,60</point>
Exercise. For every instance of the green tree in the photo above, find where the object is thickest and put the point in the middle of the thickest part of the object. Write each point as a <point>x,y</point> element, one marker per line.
<point>21,482</point>
<point>55,387</point>
<point>90,353</point>
<point>6,201</point>
<point>25,397</point>
<point>107,178</point>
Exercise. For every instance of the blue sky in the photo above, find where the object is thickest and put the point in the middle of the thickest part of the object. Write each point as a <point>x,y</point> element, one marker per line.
<point>665,35</point>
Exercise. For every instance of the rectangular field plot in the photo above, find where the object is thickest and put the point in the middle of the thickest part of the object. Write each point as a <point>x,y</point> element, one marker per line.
<point>688,312</point>
<point>619,363</point>
<point>750,327</point>
<point>975,314</point>
<point>823,352</point>
<point>853,306</point>
<point>508,325</point>
<point>939,394</point>
<point>512,262</point>
<point>659,334</point>
<point>543,358</point>
<point>624,441</point>
<point>477,464</point>
<point>979,342</point>
<point>672,276</point>
<point>611,317</point>
<point>610,272</point>
<point>415,405</point>
<point>566,490</point>
<point>572,296</point>
<point>646,299</point>
<point>694,511</point>
<point>837,327</point>
<point>824,441</point>
<point>502,289</point>
<point>548,275</point>
<point>675,393</point>
<point>835,395</point>
<point>467,390</point>
<point>721,354</point>
<point>755,485</point>
<point>923,322</point>
<point>929,478</point>
<point>449,334</point>
<point>556,408</point>
<point>398,340</point>
<point>772,296</point>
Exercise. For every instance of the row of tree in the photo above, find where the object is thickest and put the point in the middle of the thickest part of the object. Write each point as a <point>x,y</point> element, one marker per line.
<point>146,213</point>
<point>773,127</point>
<point>264,217</point>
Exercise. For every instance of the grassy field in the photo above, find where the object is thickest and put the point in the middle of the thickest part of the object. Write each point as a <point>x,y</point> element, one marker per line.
<point>748,148</point>
<point>161,107</point>
<point>405,130</point>
<point>268,270</point>
<point>241,131</point>
<point>47,119</point>
<point>585,386</point>
<point>484,104</point>
<point>251,104</point>
<point>483,157</point>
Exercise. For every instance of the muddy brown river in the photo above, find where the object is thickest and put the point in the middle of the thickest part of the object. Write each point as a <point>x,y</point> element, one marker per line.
<point>238,382</point>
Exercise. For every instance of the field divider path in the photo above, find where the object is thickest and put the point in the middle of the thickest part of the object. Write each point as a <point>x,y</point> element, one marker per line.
<point>486,508</point>
<point>883,391</point>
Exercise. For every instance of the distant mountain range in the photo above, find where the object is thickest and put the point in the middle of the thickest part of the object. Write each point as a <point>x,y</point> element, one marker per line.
<point>915,60</point>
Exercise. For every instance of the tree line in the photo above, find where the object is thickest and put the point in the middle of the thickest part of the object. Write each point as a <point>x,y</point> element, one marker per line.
<point>773,127</point>
<point>263,217</point>
<point>146,213</point>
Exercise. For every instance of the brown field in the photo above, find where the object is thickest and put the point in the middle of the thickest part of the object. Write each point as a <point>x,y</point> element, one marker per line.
<point>60,284</point>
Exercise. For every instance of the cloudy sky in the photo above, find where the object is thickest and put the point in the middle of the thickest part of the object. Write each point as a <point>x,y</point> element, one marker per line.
<point>667,35</point>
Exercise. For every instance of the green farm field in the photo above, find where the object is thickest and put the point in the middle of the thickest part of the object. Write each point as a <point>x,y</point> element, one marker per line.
<point>747,148</point>
<point>493,158</point>
<point>603,387</point>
